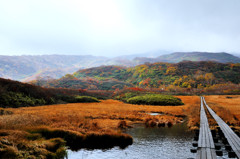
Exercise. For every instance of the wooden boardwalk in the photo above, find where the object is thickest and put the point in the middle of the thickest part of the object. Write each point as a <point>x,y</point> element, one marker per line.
<point>232,138</point>
<point>206,147</point>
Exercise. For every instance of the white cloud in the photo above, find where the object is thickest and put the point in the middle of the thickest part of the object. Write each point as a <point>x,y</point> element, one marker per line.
<point>118,26</point>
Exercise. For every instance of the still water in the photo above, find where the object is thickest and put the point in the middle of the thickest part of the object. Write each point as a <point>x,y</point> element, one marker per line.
<point>149,143</point>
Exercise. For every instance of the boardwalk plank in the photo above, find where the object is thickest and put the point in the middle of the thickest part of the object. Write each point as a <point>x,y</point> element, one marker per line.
<point>231,136</point>
<point>198,154</point>
<point>204,137</point>
<point>207,136</point>
<point>200,137</point>
<point>213,152</point>
<point>204,154</point>
<point>206,147</point>
<point>208,153</point>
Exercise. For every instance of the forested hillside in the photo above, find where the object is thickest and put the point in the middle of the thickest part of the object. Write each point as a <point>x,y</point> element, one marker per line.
<point>70,81</point>
<point>17,94</point>
<point>184,74</point>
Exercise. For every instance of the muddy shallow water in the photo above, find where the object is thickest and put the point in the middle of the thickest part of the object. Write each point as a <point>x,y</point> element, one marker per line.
<point>150,143</point>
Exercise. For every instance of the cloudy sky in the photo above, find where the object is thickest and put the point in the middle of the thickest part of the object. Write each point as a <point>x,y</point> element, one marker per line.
<point>117,27</point>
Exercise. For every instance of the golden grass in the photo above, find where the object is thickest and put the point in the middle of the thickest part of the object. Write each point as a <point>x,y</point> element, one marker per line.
<point>226,106</point>
<point>106,115</point>
<point>91,117</point>
<point>96,120</point>
<point>15,144</point>
<point>192,110</point>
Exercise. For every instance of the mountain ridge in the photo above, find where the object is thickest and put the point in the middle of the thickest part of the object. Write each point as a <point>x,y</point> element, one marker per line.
<point>30,67</point>
<point>176,57</point>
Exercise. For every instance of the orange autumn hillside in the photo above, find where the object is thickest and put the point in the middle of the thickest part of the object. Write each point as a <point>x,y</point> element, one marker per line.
<point>184,77</point>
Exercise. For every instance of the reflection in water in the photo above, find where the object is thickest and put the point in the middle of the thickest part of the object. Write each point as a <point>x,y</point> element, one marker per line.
<point>150,143</point>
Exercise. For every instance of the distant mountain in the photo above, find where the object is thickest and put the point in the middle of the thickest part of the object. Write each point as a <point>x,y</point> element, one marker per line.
<point>190,56</point>
<point>55,66</point>
<point>150,54</point>
<point>238,55</point>
<point>27,68</point>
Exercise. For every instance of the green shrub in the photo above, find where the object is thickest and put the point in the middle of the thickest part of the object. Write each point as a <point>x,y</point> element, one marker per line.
<point>86,99</point>
<point>78,99</point>
<point>155,99</point>
<point>15,100</point>
<point>125,96</point>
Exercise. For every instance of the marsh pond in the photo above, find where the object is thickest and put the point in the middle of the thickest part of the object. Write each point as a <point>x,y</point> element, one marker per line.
<point>165,143</point>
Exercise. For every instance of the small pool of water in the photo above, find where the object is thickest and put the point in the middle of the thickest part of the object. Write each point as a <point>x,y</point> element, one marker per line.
<point>150,143</point>
<point>154,114</point>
